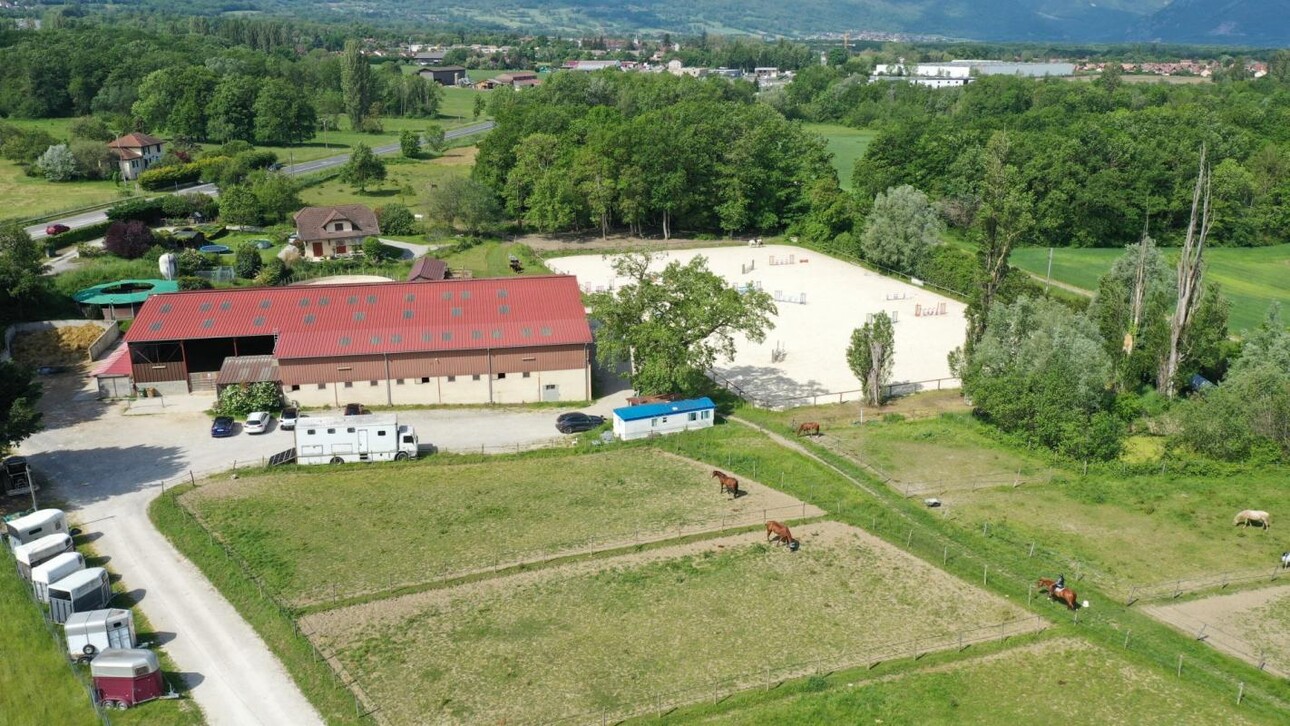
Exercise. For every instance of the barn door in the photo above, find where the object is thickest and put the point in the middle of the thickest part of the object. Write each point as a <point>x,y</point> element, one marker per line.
<point>550,392</point>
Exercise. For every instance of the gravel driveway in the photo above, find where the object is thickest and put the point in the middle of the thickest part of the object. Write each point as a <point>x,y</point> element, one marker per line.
<point>106,466</point>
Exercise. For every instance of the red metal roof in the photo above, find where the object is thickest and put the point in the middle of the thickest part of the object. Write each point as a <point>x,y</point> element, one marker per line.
<point>375,318</point>
<point>117,363</point>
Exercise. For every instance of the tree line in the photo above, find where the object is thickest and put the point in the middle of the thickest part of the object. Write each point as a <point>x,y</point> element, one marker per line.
<point>596,151</point>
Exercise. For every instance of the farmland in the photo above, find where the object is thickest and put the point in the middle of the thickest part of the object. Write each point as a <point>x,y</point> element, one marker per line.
<point>1055,681</point>
<point>675,618</point>
<point>407,183</point>
<point>846,144</point>
<point>1251,277</point>
<point>318,534</point>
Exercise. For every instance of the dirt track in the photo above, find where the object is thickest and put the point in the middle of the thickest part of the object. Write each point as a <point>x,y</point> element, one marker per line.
<point>1242,624</point>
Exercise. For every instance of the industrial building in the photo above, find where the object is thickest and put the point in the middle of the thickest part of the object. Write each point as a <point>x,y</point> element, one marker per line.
<point>493,340</point>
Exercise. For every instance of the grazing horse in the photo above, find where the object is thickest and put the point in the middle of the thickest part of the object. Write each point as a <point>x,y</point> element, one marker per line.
<point>1256,517</point>
<point>778,532</point>
<point>728,483</point>
<point>1067,595</point>
<point>809,428</point>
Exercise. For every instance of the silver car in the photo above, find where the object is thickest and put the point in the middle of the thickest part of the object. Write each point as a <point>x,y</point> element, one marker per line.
<point>257,423</point>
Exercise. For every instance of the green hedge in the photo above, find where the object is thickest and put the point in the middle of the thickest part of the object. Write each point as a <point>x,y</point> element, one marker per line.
<point>168,177</point>
<point>78,235</point>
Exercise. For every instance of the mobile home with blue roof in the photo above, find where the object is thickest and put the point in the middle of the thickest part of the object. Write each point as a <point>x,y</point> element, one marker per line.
<point>656,419</point>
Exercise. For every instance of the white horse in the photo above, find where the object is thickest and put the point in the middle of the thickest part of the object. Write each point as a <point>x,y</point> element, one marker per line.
<point>1256,517</point>
<point>1285,560</point>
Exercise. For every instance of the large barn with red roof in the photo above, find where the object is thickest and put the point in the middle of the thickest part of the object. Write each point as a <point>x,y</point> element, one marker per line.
<point>493,340</point>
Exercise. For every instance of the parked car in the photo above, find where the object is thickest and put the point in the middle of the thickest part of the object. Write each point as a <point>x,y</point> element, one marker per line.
<point>50,370</point>
<point>54,229</point>
<point>287,421</point>
<point>223,426</point>
<point>258,422</point>
<point>572,423</point>
<point>356,409</point>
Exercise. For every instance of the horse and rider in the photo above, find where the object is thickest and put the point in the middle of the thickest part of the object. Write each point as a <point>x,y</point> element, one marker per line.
<point>1058,591</point>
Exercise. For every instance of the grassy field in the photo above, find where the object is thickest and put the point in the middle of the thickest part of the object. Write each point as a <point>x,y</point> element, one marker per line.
<point>424,520</point>
<point>36,684</point>
<point>1053,682</point>
<point>407,182</point>
<point>1251,277</point>
<point>492,259</point>
<point>543,645</point>
<point>846,144</point>
<point>946,450</point>
<point>27,196</point>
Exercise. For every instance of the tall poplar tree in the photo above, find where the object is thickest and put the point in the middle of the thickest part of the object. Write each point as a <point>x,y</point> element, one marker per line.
<point>357,85</point>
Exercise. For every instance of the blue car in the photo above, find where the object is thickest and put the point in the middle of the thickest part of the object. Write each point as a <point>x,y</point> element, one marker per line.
<point>222,426</point>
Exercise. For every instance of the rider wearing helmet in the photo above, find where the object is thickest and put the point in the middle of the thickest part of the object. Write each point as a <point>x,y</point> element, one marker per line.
<point>1060,584</point>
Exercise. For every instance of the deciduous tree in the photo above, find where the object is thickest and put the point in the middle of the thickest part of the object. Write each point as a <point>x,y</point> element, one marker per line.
<point>357,86</point>
<point>871,355</point>
<point>673,325</point>
<point>363,167</point>
<point>901,230</point>
<point>57,163</point>
<point>19,393</point>
<point>21,265</point>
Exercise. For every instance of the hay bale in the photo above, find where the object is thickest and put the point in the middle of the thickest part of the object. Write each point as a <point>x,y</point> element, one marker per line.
<point>60,346</point>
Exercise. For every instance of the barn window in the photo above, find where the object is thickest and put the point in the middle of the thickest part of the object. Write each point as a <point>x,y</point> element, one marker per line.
<point>501,376</point>
<point>665,419</point>
<point>452,379</point>
<point>349,430</point>
<point>311,432</point>
<point>380,432</point>
<point>331,431</point>
<point>694,416</point>
<point>349,384</point>
<point>527,374</point>
<point>399,382</point>
<point>295,386</point>
<point>322,386</point>
<point>653,422</point>
<point>425,379</point>
<point>373,383</point>
<point>475,377</point>
<point>707,414</point>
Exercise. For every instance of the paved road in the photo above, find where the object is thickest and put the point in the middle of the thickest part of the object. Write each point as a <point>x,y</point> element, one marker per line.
<point>105,466</point>
<point>85,219</point>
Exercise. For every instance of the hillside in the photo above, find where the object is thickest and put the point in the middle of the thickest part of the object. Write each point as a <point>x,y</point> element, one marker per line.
<point>1237,22</point>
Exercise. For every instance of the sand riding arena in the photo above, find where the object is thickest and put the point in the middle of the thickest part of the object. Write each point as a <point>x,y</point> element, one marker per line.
<point>821,300</point>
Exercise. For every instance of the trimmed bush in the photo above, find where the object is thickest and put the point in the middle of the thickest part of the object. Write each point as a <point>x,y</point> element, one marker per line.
<point>144,210</point>
<point>169,177</point>
<point>81,234</point>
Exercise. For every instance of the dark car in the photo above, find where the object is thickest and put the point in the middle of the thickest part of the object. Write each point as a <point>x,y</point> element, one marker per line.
<point>54,229</point>
<point>355,409</point>
<point>50,370</point>
<point>222,426</point>
<point>572,423</point>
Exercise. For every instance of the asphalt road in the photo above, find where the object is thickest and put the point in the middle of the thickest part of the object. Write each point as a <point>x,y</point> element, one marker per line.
<point>85,219</point>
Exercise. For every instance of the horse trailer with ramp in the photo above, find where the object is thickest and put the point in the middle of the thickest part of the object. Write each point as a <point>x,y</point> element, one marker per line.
<point>32,527</point>
<point>54,570</point>
<point>667,417</point>
<point>92,632</point>
<point>79,592</point>
<point>348,439</point>
<point>125,677</point>
<point>39,552</point>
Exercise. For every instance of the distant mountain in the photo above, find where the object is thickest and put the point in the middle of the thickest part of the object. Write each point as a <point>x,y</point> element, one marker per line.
<point>1264,23</point>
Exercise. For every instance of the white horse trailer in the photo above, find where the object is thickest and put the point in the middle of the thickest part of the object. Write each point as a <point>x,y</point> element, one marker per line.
<point>348,439</point>
<point>90,632</point>
<point>33,526</point>
<point>39,552</point>
<point>79,592</point>
<point>53,571</point>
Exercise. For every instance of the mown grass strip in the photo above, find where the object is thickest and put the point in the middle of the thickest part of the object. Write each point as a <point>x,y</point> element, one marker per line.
<point>319,683</point>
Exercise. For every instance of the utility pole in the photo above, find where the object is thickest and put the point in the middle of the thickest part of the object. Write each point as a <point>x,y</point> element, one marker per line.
<point>1049,281</point>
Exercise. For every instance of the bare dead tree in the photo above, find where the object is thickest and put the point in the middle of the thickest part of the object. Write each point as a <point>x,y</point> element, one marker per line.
<point>1191,271</point>
<point>1138,296</point>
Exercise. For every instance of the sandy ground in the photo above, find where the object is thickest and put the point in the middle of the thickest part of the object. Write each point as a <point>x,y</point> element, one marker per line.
<point>838,298</point>
<point>1239,624</point>
<point>343,280</point>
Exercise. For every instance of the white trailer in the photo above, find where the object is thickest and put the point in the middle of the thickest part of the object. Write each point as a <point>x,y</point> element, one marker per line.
<point>39,552</point>
<point>79,592</point>
<point>90,632</point>
<point>347,439</point>
<point>54,570</point>
<point>32,527</point>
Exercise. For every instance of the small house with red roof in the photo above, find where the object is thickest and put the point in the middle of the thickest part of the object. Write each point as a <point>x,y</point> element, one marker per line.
<point>136,152</point>
<point>338,231</point>
<point>488,340</point>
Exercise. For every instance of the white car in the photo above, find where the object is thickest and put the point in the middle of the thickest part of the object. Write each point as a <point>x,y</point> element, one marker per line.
<point>257,423</point>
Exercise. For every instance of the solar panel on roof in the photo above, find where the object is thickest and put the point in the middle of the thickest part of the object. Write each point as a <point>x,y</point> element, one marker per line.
<point>447,295</point>
<point>456,312</point>
<point>410,297</point>
<point>375,340</point>
<point>526,332</point>
<point>304,302</point>
<point>396,338</point>
<point>546,331</point>
<point>322,301</point>
<point>165,308</point>
<point>204,307</point>
<point>427,336</point>
<point>465,294</point>
<point>476,334</point>
<point>502,293</point>
<point>309,319</point>
<point>265,304</point>
<point>447,335</point>
<point>371,299</point>
<point>352,300</point>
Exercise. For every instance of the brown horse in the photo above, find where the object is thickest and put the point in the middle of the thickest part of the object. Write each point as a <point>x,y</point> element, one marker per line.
<point>1067,595</point>
<point>810,428</point>
<point>728,483</point>
<point>778,532</point>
